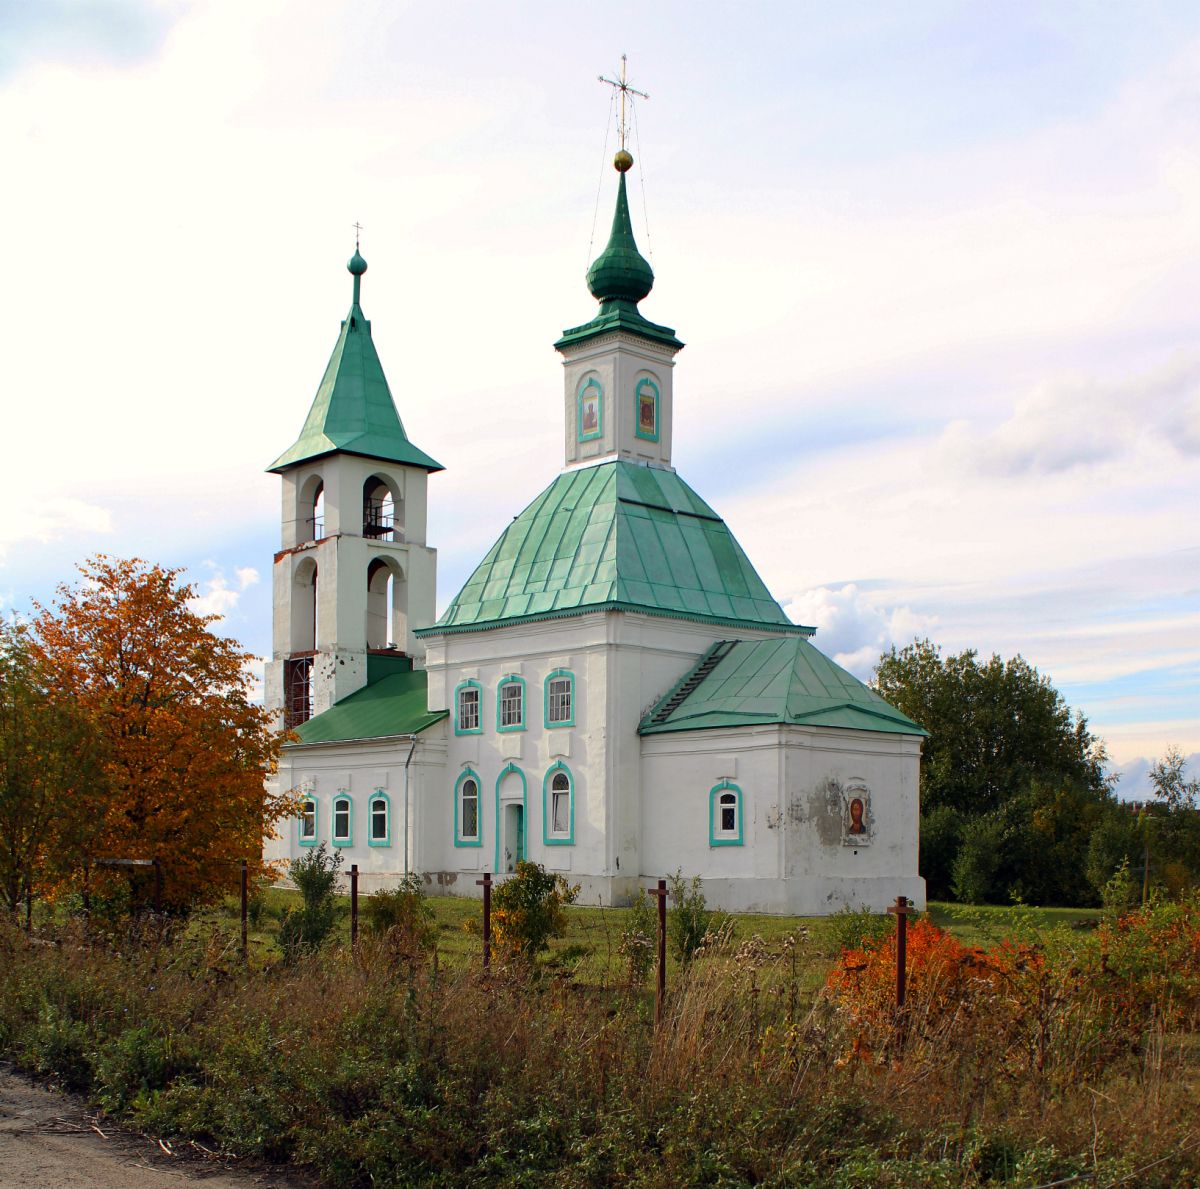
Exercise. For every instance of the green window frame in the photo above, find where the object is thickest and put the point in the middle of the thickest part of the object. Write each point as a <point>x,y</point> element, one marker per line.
<point>379,799</point>
<point>304,837</point>
<point>557,776</point>
<point>645,384</point>
<point>726,819</point>
<point>592,434</point>
<point>461,703</point>
<point>510,703</point>
<point>558,702</point>
<point>343,806</point>
<point>461,799</point>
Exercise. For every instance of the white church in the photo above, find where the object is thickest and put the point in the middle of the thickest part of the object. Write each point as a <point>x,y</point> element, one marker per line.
<point>613,694</point>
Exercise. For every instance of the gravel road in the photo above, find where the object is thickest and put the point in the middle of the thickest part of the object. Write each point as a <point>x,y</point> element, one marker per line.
<point>51,1141</point>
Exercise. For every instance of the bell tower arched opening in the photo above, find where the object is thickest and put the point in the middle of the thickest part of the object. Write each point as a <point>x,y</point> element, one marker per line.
<point>387,605</point>
<point>383,510</point>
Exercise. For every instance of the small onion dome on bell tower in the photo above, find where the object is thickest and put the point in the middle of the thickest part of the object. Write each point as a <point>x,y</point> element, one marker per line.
<point>620,272</point>
<point>356,264</point>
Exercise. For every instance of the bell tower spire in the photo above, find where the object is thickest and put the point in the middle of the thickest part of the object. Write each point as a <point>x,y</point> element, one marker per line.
<point>619,399</point>
<point>354,578</point>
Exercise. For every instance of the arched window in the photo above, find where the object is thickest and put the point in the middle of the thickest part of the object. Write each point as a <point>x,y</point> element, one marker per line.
<point>467,717</point>
<point>383,606</point>
<point>343,821</point>
<point>379,828</point>
<point>560,699</point>
<point>510,705</point>
<point>308,821</point>
<point>558,807</point>
<point>305,633</point>
<point>468,828</point>
<point>725,815</point>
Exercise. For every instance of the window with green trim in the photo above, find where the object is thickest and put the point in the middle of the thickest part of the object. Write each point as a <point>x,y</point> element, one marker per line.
<point>510,711</point>
<point>725,826</point>
<point>308,822</point>
<point>343,821</point>
<point>379,828</point>
<point>560,699</point>
<point>467,719</point>
<point>467,824</point>
<point>558,807</point>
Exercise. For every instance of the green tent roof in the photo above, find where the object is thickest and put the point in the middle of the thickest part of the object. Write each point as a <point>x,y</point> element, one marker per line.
<point>615,536</point>
<point>395,705</point>
<point>740,683</point>
<point>353,410</point>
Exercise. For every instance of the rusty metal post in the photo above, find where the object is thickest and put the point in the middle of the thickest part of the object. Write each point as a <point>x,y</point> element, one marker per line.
<point>660,990</point>
<point>486,884</point>
<point>353,905</point>
<point>902,910</point>
<point>245,881</point>
<point>158,886</point>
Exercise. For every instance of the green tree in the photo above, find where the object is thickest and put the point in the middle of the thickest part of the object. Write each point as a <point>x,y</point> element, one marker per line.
<point>528,910</point>
<point>993,726</point>
<point>50,786</point>
<point>1012,782</point>
<point>315,876</point>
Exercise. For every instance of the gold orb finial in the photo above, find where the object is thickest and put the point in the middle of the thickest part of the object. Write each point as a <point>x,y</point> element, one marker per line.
<point>623,161</point>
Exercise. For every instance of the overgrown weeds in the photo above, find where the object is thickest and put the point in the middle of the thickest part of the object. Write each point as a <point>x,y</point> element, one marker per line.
<point>1021,1064</point>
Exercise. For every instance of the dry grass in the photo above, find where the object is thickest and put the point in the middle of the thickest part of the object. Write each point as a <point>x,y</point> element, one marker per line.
<point>374,1072</point>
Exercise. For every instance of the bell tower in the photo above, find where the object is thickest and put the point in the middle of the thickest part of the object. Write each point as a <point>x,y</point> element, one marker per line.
<point>619,398</point>
<point>353,578</point>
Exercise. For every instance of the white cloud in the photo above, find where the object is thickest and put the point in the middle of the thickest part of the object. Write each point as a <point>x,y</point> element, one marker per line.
<point>851,629</point>
<point>217,595</point>
<point>50,519</point>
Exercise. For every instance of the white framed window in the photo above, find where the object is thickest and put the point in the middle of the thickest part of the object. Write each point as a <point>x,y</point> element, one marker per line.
<point>468,810</point>
<point>560,803</point>
<point>308,822</point>
<point>560,699</point>
<point>510,712</point>
<point>343,821</point>
<point>467,719</point>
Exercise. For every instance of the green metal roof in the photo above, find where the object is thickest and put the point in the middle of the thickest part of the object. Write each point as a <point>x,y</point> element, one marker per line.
<point>619,278</point>
<point>395,705</point>
<point>353,410</point>
<point>740,683</point>
<point>615,536</point>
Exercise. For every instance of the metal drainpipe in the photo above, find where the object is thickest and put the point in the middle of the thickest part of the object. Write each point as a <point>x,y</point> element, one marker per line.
<point>411,749</point>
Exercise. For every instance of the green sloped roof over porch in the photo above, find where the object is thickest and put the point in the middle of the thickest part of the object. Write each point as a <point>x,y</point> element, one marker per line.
<point>395,705</point>
<point>615,536</point>
<point>740,683</point>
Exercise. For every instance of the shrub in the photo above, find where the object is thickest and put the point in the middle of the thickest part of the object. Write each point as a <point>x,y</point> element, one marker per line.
<point>315,876</point>
<point>527,910</point>
<point>639,937</point>
<point>690,920</point>
<point>404,917</point>
<point>852,928</point>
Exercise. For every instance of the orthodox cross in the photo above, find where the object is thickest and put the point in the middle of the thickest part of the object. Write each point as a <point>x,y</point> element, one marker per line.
<point>625,89</point>
<point>357,229</point>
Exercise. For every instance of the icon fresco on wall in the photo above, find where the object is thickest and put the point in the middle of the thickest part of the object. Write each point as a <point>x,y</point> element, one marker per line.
<point>589,411</point>
<point>857,820</point>
<point>647,412</point>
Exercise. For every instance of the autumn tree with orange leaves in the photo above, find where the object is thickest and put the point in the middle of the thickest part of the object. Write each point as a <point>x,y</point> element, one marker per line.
<point>181,749</point>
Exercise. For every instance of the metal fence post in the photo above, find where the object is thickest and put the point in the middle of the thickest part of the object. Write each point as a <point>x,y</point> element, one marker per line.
<point>486,884</point>
<point>158,886</point>
<point>353,905</point>
<point>245,881</point>
<point>902,910</point>
<point>660,992</point>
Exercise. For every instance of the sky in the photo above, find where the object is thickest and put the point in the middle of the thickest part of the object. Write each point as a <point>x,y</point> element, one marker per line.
<point>937,266</point>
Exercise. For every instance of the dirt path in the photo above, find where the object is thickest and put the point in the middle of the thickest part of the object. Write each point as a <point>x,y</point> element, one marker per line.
<point>50,1141</point>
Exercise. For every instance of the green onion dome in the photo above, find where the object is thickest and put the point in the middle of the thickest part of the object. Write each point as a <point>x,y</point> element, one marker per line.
<point>620,272</point>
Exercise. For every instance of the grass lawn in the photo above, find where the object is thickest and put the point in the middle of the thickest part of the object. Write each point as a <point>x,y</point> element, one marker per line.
<point>593,938</point>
